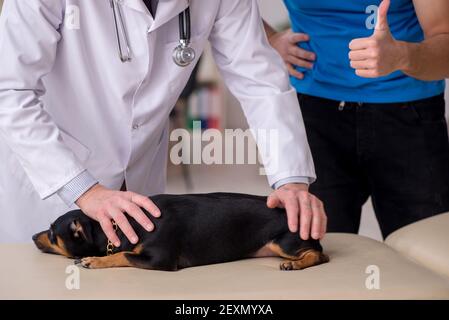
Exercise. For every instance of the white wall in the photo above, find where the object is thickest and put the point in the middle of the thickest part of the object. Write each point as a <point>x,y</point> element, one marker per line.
<point>274,12</point>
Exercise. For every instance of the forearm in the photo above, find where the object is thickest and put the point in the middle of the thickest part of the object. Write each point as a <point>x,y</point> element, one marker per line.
<point>268,29</point>
<point>428,60</point>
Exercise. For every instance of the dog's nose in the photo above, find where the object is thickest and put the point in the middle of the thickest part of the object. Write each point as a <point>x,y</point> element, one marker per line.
<point>37,235</point>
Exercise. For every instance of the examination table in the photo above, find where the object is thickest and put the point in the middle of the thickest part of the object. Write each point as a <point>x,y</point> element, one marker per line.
<point>413,263</point>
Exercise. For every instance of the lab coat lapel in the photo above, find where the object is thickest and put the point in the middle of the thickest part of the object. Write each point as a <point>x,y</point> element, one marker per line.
<point>167,10</point>
<point>136,5</point>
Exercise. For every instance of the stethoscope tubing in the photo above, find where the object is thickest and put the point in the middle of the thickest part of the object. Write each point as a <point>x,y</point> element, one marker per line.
<point>184,25</point>
<point>184,34</point>
<point>116,10</point>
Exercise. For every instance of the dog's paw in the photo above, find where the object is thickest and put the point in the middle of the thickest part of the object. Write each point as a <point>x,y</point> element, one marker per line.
<point>286,266</point>
<point>88,263</point>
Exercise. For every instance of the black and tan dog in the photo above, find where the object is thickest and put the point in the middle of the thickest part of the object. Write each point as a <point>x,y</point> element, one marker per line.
<point>193,230</point>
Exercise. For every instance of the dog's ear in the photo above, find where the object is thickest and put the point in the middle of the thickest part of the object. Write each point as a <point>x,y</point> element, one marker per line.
<point>78,231</point>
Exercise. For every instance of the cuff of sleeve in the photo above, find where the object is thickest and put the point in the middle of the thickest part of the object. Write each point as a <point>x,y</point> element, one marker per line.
<point>76,188</point>
<point>280,183</point>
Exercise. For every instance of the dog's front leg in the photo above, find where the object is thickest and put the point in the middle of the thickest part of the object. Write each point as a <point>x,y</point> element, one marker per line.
<point>130,259</point>
<point>120,259</point>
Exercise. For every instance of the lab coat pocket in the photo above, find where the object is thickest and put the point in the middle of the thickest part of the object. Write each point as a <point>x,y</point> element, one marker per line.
<point>79,149</point>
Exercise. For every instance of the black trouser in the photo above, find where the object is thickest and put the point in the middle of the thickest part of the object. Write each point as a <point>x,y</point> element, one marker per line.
<point>396,153</point>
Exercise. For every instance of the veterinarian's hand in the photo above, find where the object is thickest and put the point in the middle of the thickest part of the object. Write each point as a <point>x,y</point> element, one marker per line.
<point>380,54</point>
<point>286,44</point>
<point>104,205</point>
<point>303,206</point>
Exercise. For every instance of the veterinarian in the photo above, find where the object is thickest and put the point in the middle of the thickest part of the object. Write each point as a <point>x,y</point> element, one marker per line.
<point>86,88</point>
<point>371,94</point>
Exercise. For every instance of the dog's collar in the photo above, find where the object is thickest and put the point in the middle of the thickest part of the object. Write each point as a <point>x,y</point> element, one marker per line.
<point>110,246</point>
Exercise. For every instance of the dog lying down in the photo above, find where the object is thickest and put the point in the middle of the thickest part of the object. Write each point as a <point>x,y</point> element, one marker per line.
<point>194,230</point>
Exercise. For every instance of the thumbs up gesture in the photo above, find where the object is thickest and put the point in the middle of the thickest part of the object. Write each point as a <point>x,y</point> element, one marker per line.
<point>380,54</point>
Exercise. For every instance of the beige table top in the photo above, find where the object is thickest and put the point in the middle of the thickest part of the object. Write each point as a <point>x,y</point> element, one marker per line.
<point>25,273</point>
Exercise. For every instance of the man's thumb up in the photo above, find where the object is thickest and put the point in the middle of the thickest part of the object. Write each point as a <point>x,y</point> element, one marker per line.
<point>382,17</point>
<point>380,54</point>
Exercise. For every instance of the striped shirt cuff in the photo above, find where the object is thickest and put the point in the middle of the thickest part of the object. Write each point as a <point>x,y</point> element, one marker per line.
<point>280,183</point>
<point>73,190</point>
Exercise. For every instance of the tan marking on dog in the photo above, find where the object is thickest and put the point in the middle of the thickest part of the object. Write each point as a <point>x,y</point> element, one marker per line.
<point>113,261</point>
<point>303,259</point>
<point>138,249</point>
<point>265,251</point>
<point>275,248</point>
<point>309,258</point>
<point>77,229</point>
<point>58,248</point>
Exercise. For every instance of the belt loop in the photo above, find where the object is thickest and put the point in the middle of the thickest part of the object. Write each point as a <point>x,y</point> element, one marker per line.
<point>342,105</point>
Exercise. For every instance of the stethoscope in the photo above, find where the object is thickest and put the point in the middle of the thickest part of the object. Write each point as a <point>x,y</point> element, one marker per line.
<point>183,54</point>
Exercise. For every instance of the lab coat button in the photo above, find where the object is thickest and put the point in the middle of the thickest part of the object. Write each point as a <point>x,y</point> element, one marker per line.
<point>136,126</point>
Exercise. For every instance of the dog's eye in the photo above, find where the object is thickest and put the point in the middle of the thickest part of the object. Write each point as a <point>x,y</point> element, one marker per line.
<point>52,236</point>
<point>76,230</point>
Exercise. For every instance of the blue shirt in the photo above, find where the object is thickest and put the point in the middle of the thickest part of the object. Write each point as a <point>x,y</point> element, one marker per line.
<point>331,25</point>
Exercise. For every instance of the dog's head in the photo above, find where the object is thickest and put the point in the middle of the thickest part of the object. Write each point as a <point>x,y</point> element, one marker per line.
<point>71,235</point>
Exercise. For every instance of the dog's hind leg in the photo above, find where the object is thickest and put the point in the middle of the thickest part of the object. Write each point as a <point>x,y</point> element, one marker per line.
<point>299,254</point>
<point>305,259</point>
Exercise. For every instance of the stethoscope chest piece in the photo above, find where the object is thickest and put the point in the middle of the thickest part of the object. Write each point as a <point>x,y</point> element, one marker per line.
<point>183,54</point>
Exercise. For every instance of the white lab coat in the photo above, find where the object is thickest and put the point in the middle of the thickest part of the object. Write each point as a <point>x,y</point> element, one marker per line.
<point>67,103</point>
